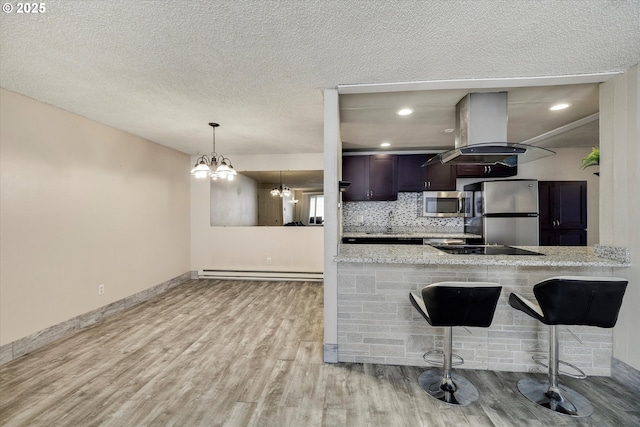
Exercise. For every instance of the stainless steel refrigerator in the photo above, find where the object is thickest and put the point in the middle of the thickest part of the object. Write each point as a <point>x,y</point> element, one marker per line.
<point>505,212</point>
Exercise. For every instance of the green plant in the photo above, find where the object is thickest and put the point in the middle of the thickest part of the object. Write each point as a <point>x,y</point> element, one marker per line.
<point>592,159</point>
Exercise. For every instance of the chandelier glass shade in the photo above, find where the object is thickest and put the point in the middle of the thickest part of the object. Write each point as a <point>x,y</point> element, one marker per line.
<point>281,190</point>
<point>214,166</point>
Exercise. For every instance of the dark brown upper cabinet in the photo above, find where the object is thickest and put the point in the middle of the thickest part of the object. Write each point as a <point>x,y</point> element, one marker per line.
<point>373,177</point>
<point>440,177</point>
<point>413,177</point>
<point>481,171</point>
<point>411,174</point>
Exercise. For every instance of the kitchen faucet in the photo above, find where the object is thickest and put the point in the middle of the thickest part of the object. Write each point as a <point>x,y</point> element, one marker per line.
<point>390,222</point>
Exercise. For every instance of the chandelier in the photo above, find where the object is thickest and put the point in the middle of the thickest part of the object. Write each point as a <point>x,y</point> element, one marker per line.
<point>214,166</point>
<point>282,190</point>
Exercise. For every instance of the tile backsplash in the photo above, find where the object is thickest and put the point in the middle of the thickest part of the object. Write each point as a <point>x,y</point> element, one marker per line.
<point>406,217</point>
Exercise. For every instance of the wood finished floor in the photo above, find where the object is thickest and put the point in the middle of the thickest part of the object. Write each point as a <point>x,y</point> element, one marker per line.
<point>231,353</point>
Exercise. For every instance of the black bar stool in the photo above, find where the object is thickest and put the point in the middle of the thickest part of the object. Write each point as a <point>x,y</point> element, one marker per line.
<point>567,300</point>
<point>451,304</point>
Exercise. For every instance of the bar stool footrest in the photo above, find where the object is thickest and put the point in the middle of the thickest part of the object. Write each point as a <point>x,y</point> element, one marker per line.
<point>456,360</point>
<point>580,374</point>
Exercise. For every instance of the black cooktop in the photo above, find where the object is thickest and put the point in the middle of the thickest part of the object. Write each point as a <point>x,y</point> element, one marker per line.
<point>483,250</point>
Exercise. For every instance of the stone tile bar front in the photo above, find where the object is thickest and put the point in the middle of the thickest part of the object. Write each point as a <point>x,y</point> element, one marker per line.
<point>378,324</point>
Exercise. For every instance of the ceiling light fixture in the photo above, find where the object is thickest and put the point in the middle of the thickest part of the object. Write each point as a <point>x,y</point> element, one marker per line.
<point>405,112</point>
<point>385,144</point>
<point>449,130</point>
<point>282,190</point>
<point>214,166</point>
<point>559,107</point>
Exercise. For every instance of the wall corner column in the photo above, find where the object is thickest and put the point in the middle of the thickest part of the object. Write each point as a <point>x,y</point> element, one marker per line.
<point>619,200</point>
<point>332,173</point>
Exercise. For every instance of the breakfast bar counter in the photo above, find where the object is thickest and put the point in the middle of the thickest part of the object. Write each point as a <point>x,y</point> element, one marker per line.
<point>552,256</point>
<point>377,324</point>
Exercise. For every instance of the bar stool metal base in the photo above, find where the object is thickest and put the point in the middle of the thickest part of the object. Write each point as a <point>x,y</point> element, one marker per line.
<point>455,391</point>
<point>562,400</point>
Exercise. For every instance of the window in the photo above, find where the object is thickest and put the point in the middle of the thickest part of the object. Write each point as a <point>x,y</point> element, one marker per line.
<point>316,209</point>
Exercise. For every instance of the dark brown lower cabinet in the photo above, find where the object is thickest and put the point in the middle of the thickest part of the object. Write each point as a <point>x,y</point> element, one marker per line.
<point>563,213</point>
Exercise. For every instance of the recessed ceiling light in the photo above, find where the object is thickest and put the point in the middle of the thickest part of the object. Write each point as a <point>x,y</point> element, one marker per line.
<point>449,130</point>
<point>559,107</point>
<point>405,112</point>
<point>385,144</point>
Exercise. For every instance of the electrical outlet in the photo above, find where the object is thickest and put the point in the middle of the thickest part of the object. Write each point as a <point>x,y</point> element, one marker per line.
<point>100,289</point>
<point>268,261</point>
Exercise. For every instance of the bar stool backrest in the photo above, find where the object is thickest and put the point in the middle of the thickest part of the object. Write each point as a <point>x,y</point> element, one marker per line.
<point>576,300</point>
<point>460,303</point>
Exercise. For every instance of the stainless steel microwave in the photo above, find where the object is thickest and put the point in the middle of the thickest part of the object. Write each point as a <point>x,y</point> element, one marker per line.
<point>444,204</point>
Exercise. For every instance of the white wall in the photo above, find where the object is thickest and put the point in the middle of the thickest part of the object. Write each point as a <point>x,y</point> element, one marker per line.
<point>247,248</point>
<point>82,204</point>
<point>619,200</point>
<point>287,208</point>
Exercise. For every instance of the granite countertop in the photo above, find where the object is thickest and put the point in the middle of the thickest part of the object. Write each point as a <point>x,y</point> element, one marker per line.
<point>573,256</point>
<point>419,234</point>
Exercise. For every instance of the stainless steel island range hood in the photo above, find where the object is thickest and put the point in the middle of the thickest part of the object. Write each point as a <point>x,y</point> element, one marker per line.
<point>481,134</point>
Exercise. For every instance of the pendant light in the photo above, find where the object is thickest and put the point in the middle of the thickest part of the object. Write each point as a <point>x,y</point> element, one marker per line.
<point>214,166</point>
<point>282,190</point>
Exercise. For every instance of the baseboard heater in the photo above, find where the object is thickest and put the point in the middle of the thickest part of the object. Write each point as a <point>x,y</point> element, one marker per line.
<point>260,275</point>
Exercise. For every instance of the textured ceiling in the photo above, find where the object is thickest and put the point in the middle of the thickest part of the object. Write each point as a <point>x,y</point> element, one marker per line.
<point>164,69</point>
